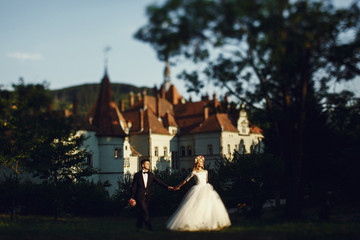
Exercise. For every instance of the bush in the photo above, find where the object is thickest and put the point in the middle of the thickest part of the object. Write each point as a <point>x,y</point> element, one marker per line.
<point>82,199</point>
<point>248,180</point>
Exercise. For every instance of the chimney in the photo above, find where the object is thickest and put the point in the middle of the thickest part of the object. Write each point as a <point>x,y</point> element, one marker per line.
<point>131,99</point>
<point>205,98</point>
<point>214,96</point>
<point>226,102</point>
<point>141,120</point>
<point>121,106</point>
<point>144,98</point>
<point>206,112</point>
<point>158,106</point>
<point>155,91</point>
<point>162,91</point>
<point>139,97</point>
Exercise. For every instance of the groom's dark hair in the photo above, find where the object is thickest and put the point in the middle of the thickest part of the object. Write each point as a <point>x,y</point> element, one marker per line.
<point>144,160</point>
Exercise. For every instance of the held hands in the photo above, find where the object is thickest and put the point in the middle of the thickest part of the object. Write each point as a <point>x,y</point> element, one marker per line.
<point>173,188</point>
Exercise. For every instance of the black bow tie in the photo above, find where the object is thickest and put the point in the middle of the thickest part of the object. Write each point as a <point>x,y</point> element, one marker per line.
<point>145,172</point>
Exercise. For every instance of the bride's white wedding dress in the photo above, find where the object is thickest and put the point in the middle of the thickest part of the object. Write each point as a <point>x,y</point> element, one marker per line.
<point>201,209</point>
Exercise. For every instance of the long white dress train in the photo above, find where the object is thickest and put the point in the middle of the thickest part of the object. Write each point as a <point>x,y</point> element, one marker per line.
<point>201,209</point>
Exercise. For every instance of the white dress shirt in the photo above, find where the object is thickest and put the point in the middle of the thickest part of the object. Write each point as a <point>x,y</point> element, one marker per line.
<point>145,177</point>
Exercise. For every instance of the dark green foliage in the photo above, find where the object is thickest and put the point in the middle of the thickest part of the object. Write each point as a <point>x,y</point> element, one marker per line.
<point>21,118</point>
<point>90,199</point>
<point>35,139</point>
<point>273,54</point>
<point>76,199</point>
<point>163,201</point>
<point>123,193</point>
<point>249,179</point>
<point>9,189</point>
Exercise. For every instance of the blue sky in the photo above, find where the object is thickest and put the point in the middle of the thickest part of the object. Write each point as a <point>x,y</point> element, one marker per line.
<point>63,42</point>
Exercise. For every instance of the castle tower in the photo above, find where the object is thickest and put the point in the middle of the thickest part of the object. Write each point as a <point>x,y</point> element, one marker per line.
<point>167,82</point>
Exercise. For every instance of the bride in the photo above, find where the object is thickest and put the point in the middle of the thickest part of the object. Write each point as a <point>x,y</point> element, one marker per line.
<point>201,209</point>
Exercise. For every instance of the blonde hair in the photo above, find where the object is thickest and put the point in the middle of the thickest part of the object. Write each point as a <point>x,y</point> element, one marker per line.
<point>197,161</point>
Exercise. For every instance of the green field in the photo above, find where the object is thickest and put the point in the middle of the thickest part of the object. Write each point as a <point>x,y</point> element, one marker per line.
<point>345,227</point>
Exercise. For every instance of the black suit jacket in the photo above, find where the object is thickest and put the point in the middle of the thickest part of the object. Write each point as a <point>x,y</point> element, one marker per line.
<point>139,192</point>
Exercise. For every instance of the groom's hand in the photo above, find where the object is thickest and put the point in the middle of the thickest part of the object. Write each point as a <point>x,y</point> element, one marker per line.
<point>171,188</point>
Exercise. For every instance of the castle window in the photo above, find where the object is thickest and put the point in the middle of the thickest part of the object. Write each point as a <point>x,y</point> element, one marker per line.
<point>117,153</point>
<point>229,149</point>
<point>156,151</point>
<point>89,160</point>
<point>182,151</point>
<point>165,151</point>
<point>189,150</point>
<point>210,149</point>
<point>126,162</point>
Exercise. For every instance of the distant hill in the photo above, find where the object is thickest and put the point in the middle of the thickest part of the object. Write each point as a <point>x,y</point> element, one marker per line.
<point>86,95</point>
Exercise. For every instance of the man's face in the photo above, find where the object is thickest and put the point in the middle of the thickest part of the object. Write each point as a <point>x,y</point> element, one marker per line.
<point>146,165</point>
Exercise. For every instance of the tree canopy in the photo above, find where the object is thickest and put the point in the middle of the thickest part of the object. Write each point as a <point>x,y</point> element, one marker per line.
<point>280,54</point>
<point>36,139</point>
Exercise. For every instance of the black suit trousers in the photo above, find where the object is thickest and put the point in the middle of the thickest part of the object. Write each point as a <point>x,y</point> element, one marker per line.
<point>143,214</point>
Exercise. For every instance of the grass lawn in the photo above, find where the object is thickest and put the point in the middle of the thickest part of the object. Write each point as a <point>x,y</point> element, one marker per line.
<point>345,226</point>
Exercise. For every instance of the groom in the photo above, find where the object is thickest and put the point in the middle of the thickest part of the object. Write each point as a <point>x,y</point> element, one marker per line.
<point>140,193</point>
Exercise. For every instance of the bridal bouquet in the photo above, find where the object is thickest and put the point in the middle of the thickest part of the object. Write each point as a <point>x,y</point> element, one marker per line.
<point>132,203</point>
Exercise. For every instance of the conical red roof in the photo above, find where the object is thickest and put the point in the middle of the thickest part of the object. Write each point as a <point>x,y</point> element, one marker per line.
<point>104,115</point>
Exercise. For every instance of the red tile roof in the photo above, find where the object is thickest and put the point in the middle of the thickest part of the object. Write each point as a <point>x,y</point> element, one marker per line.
<point>255,129</point>
<point>144,121</point>
<point>151,123</point>
<point>169,120</point>
<point>104,115</point>
<point>216,122</point>
<point>189,109</point>
<point>190,117</point>
<point>151,102</point>
<point>172,95</point>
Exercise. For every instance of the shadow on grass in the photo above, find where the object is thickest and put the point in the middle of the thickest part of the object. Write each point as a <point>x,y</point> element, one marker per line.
<point>269,226</point>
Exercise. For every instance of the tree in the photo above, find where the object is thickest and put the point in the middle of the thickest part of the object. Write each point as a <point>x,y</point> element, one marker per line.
<point>21,114</point>
<point>36,139</point>
<point>270,52</point>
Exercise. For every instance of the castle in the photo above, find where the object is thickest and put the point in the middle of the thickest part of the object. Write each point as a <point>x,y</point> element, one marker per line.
<point>163,128</point>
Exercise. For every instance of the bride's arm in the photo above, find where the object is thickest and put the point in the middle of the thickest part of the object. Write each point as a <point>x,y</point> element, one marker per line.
<point>185,181</point>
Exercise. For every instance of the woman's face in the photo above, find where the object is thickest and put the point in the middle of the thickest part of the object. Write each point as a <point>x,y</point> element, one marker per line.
<point>201,164</point>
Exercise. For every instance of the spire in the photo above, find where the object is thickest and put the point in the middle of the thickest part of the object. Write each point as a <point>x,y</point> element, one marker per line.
<point>106,50</point>
<point>104,114</point>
